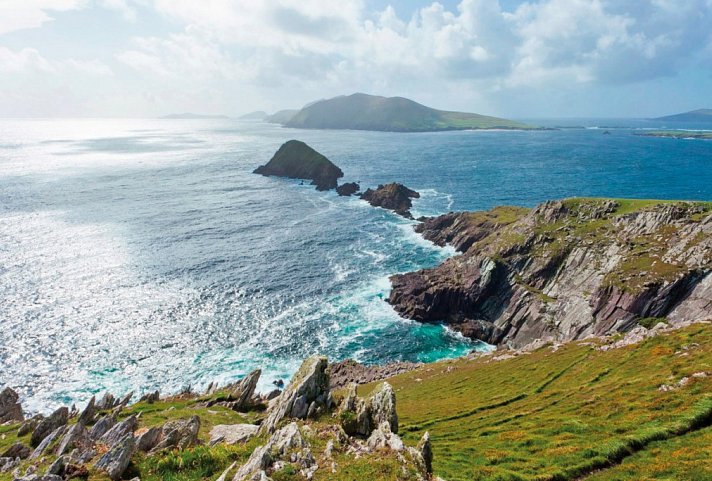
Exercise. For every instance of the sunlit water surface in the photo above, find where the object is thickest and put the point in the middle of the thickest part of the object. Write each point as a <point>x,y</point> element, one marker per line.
<point>143,254</point>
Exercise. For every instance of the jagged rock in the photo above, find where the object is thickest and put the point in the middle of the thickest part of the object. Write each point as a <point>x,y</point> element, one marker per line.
<point>8,463</point>
<point>89,413</point>
<point>272,394</point>
<point>46,426</point>
<point>179,434</point>
<point>223,476</point>
<point>310,383</point>
<point>59,466</point>
<point>102,426</point>
<point>354,414</point>
<point>394,196</point>
<point>126,399</point>
<point>297,160</point>
<point>382,406</point>
<point>232,433</point>
<point>76,436</point>
<point>34,477</point>
<point>242,392</point>
<point>287,441</point>
<point>10,407</point>
<point>116,460</point>
<point>426,451</point>
<point>72,471</point>
<point>151,398</point>
<point>17,450</point>
<point>106,402</point>
<point>45,443</point>
<point>148,439</point>
<point>119,431</point>
<point>29,425</point>
<point>382,438</point>
<point>563,271</point>
<point>348,189</point>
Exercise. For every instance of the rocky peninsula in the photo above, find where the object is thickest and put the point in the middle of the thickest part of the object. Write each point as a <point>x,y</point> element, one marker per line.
<point>564,270</point>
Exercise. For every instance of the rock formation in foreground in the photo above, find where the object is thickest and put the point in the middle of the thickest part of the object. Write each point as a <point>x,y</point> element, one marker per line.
<point>394,196</point>
<point>296,160</point>
<point>564,270</point>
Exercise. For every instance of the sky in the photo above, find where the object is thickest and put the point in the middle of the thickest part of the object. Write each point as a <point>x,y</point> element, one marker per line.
<point>510,58</point>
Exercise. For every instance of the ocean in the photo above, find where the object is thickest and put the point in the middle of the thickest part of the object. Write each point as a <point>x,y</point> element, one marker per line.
<point>144,254</point>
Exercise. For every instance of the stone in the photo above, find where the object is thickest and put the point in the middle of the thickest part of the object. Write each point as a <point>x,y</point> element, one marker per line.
<point>348,189</point>
<point>310,383</point>
<point>382,406</point>
<point>382,438</point>
<point>72,471</point>
<point>223,476</point>
<point>147,439</point>
<point>45,443</point>
<point>426,451</point>
<point>106,402</point>
<point>17,450</point>
<point>179,434</point>
<point>394,196</point>
<point>151,398</point>
<point>88,413</point>
<point>284,442</point>
<point>242,392</point>
<point>233,433</point>
<point>46,426</point>
<point>115,461</point>
<point>101,427</point>
<point>76,436</point>
<point>119,431</point>
<point>58,466</point>
<point>126,399</point>
<point>29,425</point>
<point>10,407</point>
<point>8,463</point>
<point>343,373</point>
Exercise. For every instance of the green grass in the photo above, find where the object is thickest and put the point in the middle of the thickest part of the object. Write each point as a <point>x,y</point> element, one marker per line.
<point>557,415</point>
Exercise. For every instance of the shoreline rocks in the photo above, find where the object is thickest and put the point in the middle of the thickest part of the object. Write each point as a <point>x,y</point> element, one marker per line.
<point>296,160</point>
<point>343,373</point>
<point>393,196</point>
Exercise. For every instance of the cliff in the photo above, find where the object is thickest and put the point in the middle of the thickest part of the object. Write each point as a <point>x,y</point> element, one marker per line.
<point>393,114</point>
<point>565,270</point>
<point>297,160</point>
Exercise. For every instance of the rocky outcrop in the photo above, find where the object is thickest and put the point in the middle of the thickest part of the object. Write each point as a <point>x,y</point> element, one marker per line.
<point>232,433</point>
<point>360,416</point>
<point>306,395</point>
<point>297,160</point>
<point>241,395</point>
<point>115,461</point>
<point>57,419</point>
<point>181,434</point>
<point>343,373</point>
<point>350,188</point>
<point>394,196</point>
<point>564,270</point>
<point>10,407</point>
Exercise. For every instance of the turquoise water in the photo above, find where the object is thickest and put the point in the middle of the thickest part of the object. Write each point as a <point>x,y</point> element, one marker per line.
<point>142,254</point>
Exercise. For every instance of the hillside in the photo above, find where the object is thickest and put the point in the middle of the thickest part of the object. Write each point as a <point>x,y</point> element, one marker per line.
<point>564,270</point>
<point>281,117</point>
<point>396,114</point>
<point>700,115</point>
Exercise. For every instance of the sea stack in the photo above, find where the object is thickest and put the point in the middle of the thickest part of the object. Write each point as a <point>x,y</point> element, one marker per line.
<point>296,160</point>
<point>394,196</point>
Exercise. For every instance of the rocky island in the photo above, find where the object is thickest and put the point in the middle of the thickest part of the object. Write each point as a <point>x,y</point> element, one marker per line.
<point>564,270</point>
<point>296,160</point>
<point>679,134</point>
<point>393,196</point>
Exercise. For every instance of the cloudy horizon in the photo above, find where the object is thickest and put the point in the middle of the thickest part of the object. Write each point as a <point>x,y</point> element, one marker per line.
<point>517,59</point>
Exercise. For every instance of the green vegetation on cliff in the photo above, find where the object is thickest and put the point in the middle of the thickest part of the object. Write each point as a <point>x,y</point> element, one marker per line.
<point>393,114</point>
<point>562,413</point>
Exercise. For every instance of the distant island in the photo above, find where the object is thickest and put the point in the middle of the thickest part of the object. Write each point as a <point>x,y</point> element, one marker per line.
<point>679,134</point>
<point>281,117</point>
<point>190,116</point>
<point>700,115</point>
<point>391,114</point>
<point>258,115</point>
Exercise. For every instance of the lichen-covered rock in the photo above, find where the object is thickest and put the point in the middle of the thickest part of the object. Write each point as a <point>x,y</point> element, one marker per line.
<point>242,393</point>
<point>297,160</point>
<point>75,437</point>
<point>382,406</point>
<point>88,413</point>
<point>107,402</point>
<point>17,450</point>
<point>151,397</point>
<point>102,426</point>
<point>354,414</point>
<point>115,461</point>
<point>29,425</point>
<point>394,196</point>
<point>232,433</point>
<point>10,407</point>
<point>49,439</point>
<point>309,384</point>
<point>57,419</point>
<point>120,430</point>
<point>181,434</point>
<point>426,452</point>
<point>147,439</point>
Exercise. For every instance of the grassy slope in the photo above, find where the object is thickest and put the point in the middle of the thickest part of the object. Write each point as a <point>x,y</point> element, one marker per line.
<point>560,415</point>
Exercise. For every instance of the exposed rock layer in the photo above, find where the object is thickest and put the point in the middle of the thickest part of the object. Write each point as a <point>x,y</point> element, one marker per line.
<point>564,270</point>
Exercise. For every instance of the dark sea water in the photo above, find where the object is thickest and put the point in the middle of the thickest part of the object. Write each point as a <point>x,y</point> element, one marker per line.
<point>142,254</point>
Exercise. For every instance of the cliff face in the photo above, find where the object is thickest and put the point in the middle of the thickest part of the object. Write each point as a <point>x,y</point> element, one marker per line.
<point>564,270</point>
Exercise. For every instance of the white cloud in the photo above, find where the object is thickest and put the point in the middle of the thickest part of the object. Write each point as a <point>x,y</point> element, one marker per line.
<point>29,61</point>
<point>22,14</point>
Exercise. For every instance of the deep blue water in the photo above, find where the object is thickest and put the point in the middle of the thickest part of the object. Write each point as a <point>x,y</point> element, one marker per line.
<point>142,254</point>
